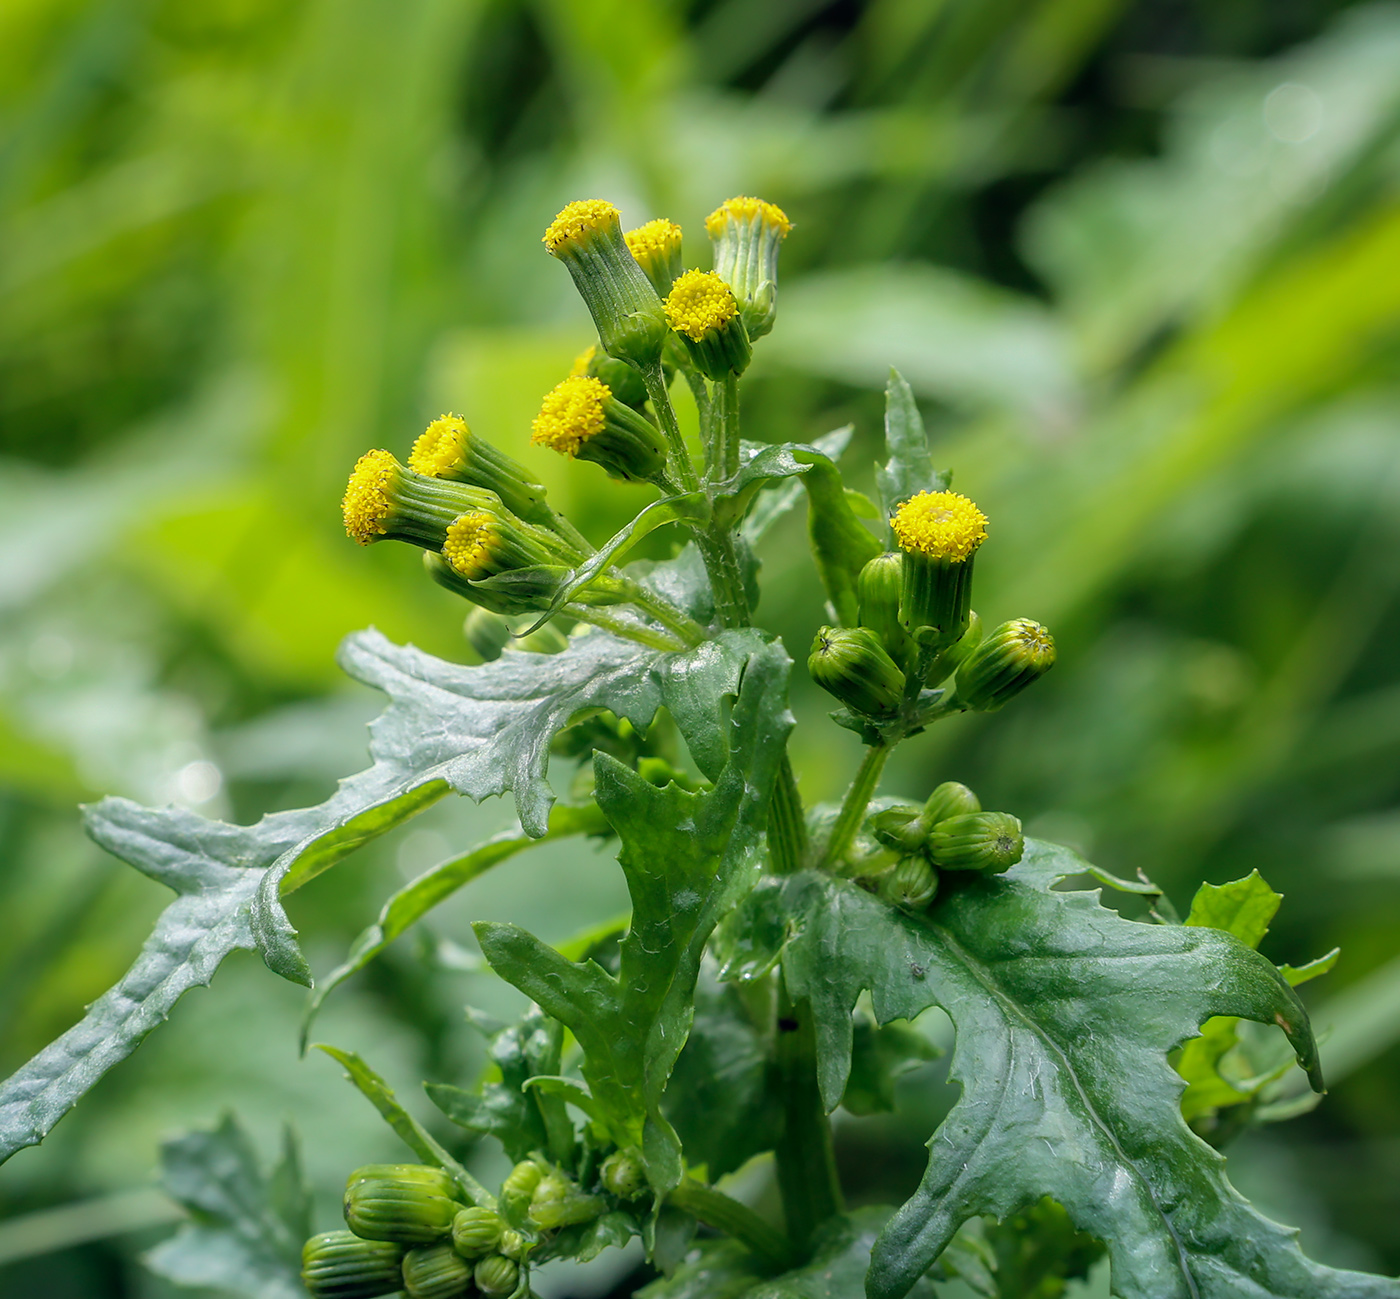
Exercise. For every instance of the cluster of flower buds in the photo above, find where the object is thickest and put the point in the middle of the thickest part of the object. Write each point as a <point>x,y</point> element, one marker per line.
<point>950,832</point>
<point>915,613</point>
<point>410,1233</point>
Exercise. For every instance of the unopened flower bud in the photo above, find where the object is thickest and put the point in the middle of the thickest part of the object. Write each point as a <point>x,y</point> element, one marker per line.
<point>384,501</point>
<point>626,383</point>
<point>702,310</point>
<point>879,587</point>
<point>850,663</point>
<point>912,884</point>
<point>587,237</point>
<point>557,1202</point>
<point>339,1265</point>
<point>581,418</point>
<point>447,448</point>
<point>489,539</point>
<point>532,593</point>
<point>409,1203</point>
<point>939,533</point>
<point>521,1182</point>
<point>901,827</point>
<point>657,248</point>
<point>496,1275</point>
<point>513,1244</point>
<point>622,1175</point>
<point>747,234</point>
<point>476,1231</point>
<point>1005,663</point>
<point>977,841</point>
<point>949,799</point>
<point>436,1272</point>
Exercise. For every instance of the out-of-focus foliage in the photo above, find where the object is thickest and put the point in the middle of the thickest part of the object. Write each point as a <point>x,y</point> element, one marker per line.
<point>1137,260</point>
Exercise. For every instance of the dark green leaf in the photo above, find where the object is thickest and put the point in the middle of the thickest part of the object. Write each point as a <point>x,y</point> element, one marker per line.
<point>246,1231</point>
<point>772,504</point>
<point>722,1269</point>
<point>688,857</point>
<point>417,1138</point>
<point>589,1239</point>
<point>1065,1013</point>
<point>839,1266</point>
<point>879,1054</point>
<point>909,470</point>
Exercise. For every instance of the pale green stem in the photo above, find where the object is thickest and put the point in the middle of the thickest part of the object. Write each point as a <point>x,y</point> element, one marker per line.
<point>626,630</point>
<point>856,801</point>
<point>680,464</point>
<point>722,1212</point>
<point>729,423</point>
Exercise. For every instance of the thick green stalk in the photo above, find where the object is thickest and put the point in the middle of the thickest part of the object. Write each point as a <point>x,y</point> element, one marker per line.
<point>787,826</point>
<point>856,801</point>
<point>720,1211</point>
<point>680,465</point>
<point>729,423</point>
<point>806,1158</point>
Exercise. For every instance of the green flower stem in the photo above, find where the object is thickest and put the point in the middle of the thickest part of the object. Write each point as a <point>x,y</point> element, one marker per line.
<point>571,534</point>
<point>806,1158</point>
<point>720,1211</point>
<point>729,423</point>
<point>856,801</point>
<point>787,826</point>
<point>680,465</point>
<point>625,630</point>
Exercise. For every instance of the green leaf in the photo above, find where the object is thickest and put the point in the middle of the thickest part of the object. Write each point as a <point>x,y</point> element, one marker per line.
<point>879,1054</point>
<point>772,504</point>
<point>416,1137</point>
<point>837,1269</point>
<point>1298,974</point>
<point>909,469</point>
<point>1064,1013</point>
<point>688,857</point>
<point>412,902</point>
<point>720,1269</point>
<point>587,1240</point>
<point>504,1109</point>
<point>1242,907</point>
<point>1037,1251</point>
<point>246,1231</point>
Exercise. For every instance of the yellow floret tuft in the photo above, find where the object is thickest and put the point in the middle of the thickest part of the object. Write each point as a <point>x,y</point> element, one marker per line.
<point>571,413</point>
<point>366,504</point>
<point>440,447</point>
<point>941,525</point>
<point>659,238</point>
<point>746,209</point>
<point>699,303</point>
<point>582,361</point>
<point>578,219</point>
<point>472,541</point>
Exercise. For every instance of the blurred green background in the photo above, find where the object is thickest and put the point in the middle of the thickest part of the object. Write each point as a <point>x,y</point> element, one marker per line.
<point>1140,261</point>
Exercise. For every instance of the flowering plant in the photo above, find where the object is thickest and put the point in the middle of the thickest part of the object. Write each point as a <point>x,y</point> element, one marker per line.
<point>776,954</point>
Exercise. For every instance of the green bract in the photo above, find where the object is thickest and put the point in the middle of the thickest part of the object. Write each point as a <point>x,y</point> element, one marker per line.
<point>765,974</point>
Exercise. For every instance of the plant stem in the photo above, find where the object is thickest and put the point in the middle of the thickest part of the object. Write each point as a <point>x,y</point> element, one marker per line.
<point>715,1209</point>
<point>729,423</point>
<point>856,801</point>
<point>680,464</point>
<point>787,826</point>
<point>806,1158</point>
<point>625,630</point>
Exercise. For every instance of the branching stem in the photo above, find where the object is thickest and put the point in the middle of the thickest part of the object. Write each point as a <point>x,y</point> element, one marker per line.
<point>724,1213</point>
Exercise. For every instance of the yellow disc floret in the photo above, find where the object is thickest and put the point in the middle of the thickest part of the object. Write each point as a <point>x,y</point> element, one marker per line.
<point>440,448</point>
<point>571,413</point>
<point>471,545</point>
<point>366,505</point>
<point>700,303</point>
<point>746,209</point>
<point>941,525</point>
<point>659,238</point>
<point>583,361</point>
<point>578,220</point>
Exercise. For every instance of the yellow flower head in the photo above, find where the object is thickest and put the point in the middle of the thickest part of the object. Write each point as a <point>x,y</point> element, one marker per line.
<point>572,412</point>
<point>659,239</point>
<point>743,209</point>
<point>941,525</point>
<point>583,361</point>
<point>472,545</point>
<point>440,448</point>
<point>366,505</point>
<point>700,303</point>
<point>579,220</point>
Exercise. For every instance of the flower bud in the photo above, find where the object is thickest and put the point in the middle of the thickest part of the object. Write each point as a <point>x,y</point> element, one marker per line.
<point>626,383</point>
<point>901,827</point>
<point>447,448</point>
<point>747,234</point>
<point>521,1182</point>
<point>977,841</point>
<point>587,237</point>
<point>850,663</point>
<point>496,1275</point>
<point>939,533</point>
<point>657,248</point>
<point>532,593</point>
<point>385,502</point>
<point>513,1244</point>
<point>436,1272</point>
<point>581,418</point>
<point>557,1202</point>
<point>489,539</point>
<point>702,310</point>
<point>476,1231</point>
<point>878,588</point>
<point>339,1265</point>
<point>409,1203</point>
<point>912,884</point>
<point>949,799</point>
<point>622,1175</point>
<point>1012,656</point>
